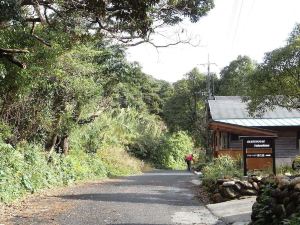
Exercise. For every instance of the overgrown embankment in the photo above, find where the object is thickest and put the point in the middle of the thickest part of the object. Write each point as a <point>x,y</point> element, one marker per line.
<point>97,150</point>
<point>101,149</point>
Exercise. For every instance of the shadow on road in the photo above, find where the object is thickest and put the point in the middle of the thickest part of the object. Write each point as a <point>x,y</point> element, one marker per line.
<point>171,188</point>
<point>180,200</point>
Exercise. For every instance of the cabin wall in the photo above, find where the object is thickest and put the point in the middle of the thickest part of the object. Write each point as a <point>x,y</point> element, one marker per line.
<point>286,145</point>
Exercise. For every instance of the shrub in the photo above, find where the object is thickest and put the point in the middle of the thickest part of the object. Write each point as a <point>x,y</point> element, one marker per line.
<point>223,166</point>
<point>294,220</point>
<point>172,150</point>
<point>118,162</point>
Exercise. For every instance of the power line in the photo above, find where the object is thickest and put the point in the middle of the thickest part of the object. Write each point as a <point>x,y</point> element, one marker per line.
<point>238,22</point>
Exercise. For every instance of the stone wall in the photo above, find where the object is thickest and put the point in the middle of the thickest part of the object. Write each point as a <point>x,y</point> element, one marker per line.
<point>227,189</point>
<point>278,201</point>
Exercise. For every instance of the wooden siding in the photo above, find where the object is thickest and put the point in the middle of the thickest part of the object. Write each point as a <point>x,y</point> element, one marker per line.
<point>236,144</point>
<point>286,144</point>
<point>234,153</point>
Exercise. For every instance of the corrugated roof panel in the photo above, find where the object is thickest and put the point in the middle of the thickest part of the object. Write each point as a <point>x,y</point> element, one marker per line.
<point>263,122</point>
<point>232,107</point>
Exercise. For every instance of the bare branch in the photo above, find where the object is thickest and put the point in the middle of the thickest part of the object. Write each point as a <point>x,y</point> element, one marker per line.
<point>11,51</point>
<point>33,20</point>
<point>36,7</point>
<point>32,28</point>
<point>32,2</point>
<point>41,40</point>
<point>37,37</point>
<point>12,59</point>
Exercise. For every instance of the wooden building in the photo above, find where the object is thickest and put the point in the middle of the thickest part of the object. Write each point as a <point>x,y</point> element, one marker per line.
<point>229,119</point>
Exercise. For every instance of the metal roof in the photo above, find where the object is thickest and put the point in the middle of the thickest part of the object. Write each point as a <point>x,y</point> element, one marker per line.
<point>263,122</point>
<point>231,109</point>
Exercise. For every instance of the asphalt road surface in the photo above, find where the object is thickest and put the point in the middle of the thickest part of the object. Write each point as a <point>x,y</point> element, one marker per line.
<point>154,198</point>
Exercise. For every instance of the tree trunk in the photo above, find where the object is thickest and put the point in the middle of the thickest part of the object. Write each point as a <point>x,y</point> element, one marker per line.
<point>65,144</point>
<point>50,145</point>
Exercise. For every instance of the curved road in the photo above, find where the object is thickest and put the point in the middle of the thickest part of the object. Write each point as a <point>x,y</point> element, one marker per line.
<point>154,198</point>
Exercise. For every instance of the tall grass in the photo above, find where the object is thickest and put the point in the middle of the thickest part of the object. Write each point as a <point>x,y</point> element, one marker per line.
<point>97,150</point>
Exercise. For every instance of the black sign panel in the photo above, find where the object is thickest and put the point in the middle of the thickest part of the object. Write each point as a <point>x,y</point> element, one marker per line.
<point>260,144</point>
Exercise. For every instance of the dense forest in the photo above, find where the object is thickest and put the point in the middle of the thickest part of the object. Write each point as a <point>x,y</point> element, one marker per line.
<point>73,108</point>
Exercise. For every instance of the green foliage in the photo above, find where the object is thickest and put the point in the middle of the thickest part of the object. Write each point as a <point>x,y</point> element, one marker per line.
<point>278,78</point>
<point>185,109</point>
<point>294,220</point>
<point>223,166</point>
<point>172,150</point>
<point>234,77</point>
<point>124,21</point>
<point>28,169</point>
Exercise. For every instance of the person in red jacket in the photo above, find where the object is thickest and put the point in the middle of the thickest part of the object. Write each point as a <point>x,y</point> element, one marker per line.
<point>188,159</point>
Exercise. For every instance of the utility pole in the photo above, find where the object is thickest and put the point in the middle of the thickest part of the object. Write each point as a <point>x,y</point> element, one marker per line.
<point>210,91</point>
<point>210,94</point>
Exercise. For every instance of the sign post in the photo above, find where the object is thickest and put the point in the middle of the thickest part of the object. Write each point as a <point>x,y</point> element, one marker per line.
<point>258,149</point>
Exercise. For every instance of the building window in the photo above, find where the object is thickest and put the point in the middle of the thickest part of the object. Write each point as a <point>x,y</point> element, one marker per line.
<point>224,140</point>
<point>234,137</point>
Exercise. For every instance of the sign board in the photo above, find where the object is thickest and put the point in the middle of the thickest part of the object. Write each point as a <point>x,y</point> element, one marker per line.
<point>258,143</point>
<point>258,152</point>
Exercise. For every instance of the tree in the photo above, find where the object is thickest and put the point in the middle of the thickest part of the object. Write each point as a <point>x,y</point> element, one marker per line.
<point>185,109</point>
<point>124,21</point>
<point>276,81</point>
<point>234,77</point>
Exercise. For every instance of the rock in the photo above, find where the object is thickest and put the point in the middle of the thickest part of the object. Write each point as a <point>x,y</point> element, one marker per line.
<point>221,181</point>
<point>237,187</point>
<point>230,193</point>
<point>283,194</point>
<point>279,211</point>
<point>283,183</point>
<point>295,181</point>
<point>249,192</point>
<point>278,178</point>
<point>256,178</point>
<point>286,201</point>
<point>297,187</point>
<point>246,184</point>
<point>217,198</point>
<point>228,184</point>
<point>255,185</point>
<point>290,208</point>
<point>275,193</point>
<point>250,180</point>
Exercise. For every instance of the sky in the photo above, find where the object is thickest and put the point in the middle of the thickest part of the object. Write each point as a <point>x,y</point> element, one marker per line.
<point>232,28</point>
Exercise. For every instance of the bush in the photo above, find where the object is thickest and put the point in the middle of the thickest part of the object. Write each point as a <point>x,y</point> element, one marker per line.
<point>172,150</point>
<point>221,167</point>
<point>119,163</point>
<point>27,168</point>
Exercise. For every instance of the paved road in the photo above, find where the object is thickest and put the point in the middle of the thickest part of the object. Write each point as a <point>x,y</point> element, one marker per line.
<point>155,198</point>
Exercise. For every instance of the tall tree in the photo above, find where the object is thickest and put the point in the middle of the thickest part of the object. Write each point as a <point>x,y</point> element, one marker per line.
<point>185,109</point>
<point>234,77</point>
<point>127,21</point>
<point>277,80</point>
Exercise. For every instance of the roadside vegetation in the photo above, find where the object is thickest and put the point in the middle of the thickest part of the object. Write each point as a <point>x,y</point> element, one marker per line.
<point>73,108</point>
